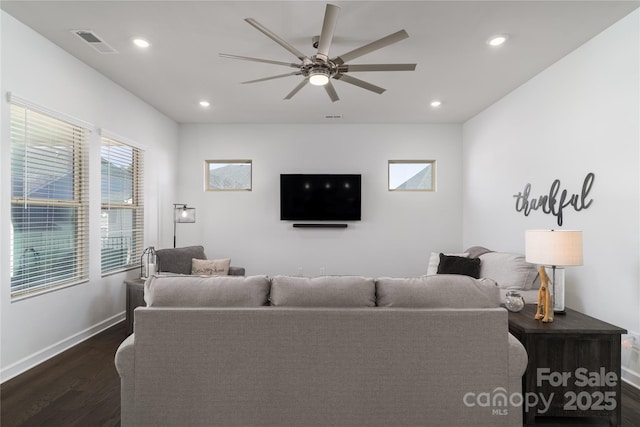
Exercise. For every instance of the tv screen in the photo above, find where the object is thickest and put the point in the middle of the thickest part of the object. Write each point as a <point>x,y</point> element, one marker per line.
<point>321,197</point>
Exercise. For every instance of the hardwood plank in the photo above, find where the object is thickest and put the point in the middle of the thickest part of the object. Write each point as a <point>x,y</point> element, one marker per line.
<point>79,387</point>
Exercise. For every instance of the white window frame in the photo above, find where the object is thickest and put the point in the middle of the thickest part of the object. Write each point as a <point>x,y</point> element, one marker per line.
<point>37,130</point>
<point>132,250</point>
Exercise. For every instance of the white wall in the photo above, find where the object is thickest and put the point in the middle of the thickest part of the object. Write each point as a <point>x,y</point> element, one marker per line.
<point>33,329</point>
<point>397,231</point>
<point>580,115</point>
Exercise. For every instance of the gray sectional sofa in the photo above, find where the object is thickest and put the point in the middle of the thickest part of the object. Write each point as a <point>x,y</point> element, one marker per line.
<point>327,351</point>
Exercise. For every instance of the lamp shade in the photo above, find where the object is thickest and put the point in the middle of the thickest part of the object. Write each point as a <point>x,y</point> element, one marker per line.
<point>183,214</point>
<point>558,248</point>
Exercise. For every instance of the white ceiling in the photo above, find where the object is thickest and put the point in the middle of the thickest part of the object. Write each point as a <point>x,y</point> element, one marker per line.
<point>447,41</point>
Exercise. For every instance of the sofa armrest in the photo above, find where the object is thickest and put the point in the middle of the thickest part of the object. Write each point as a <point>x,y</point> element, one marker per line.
<point>125,365</point>
<point>236,271</point>
<point>518,361</point>
<point>518,358</point>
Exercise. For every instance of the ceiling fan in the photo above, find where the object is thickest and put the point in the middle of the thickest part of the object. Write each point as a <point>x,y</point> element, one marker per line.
<point>319,69</point>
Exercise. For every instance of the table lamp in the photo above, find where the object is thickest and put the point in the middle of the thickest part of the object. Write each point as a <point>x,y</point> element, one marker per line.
<point>555,249</point>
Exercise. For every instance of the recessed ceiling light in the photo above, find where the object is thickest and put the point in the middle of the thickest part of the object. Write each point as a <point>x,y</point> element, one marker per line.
<point>497,40</point>
<point>436,103</point>
<point>141,43</point>
<point>204,104</point>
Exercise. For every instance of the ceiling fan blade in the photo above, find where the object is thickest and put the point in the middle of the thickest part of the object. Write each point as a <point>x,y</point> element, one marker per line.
<point>297,89</point>
<point>347,68</point>
<point>331,91</point>
<point>326,36</point>
<point>273,36</point>
<point>360,83</point>
<point>295,73</point>
<point>266,61</point>
<point>368,48</point>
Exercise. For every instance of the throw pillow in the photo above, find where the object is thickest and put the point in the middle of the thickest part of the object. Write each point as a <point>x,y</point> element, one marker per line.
<point>210,267</point>
<point>459,265</point>
<point>509,270</point>
<point>434,261</point>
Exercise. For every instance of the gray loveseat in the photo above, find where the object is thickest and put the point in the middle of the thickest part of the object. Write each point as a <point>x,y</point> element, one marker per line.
<point>339,351</point>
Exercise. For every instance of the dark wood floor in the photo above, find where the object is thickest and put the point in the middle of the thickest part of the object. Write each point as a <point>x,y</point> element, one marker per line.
<point>81,387</point>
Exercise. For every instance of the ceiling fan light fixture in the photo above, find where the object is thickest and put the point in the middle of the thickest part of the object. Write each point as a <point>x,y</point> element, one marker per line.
<point>319,77</point>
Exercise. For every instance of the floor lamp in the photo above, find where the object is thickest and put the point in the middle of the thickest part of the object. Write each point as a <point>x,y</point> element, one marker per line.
<point>182,214</point>
<point>555,249</point>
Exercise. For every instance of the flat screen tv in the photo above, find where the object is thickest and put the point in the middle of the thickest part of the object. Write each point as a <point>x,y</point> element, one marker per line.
<point>320,197</point>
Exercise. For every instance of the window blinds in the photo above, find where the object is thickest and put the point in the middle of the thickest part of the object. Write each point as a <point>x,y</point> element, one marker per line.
<point>49,201</point>
<point>122,215</point>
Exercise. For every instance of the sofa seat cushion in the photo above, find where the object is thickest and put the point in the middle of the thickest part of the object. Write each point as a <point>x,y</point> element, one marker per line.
<point>206,291</point>
<point>327,291</point>
<point>440,291</point>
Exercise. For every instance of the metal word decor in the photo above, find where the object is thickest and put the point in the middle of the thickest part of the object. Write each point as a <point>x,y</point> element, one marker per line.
<point>557,200</point>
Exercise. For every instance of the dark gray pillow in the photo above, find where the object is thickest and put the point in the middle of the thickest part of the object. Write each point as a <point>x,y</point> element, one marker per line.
<point>459,265</point>
<point>178,260</point>
<point>327,291</point>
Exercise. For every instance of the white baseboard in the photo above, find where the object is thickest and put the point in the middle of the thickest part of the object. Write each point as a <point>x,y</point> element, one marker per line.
<point>631,377</point>
<point>35,359</point>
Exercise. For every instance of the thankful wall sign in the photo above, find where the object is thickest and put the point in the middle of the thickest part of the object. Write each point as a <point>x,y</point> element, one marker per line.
<point>556,200</point>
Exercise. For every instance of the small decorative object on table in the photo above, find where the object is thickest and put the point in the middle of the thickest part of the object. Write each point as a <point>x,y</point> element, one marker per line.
<point>544,310</point>
<point>514,301</point>
<point>148,263</point>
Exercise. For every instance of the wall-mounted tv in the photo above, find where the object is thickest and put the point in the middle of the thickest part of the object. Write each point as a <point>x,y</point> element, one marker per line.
<point>320,197</point>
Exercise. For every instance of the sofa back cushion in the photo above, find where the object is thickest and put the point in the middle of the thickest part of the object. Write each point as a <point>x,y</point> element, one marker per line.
<point>509,270</point>
<point>178,260</point>
<point>203,291</point>
<point>440,291</point>
<point>327,291</point>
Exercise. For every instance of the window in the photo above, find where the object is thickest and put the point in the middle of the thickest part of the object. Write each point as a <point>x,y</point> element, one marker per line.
<point>49,202</point>
<point>412,175</point>
<point>122,215</point>
<point>227,175</point>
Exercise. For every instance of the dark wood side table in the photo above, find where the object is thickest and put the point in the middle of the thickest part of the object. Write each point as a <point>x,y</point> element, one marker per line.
<point>574,364</point>
<point>135,298</point>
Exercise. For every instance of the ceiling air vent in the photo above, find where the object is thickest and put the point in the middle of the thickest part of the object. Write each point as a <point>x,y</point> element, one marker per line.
<point>94,41</point>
